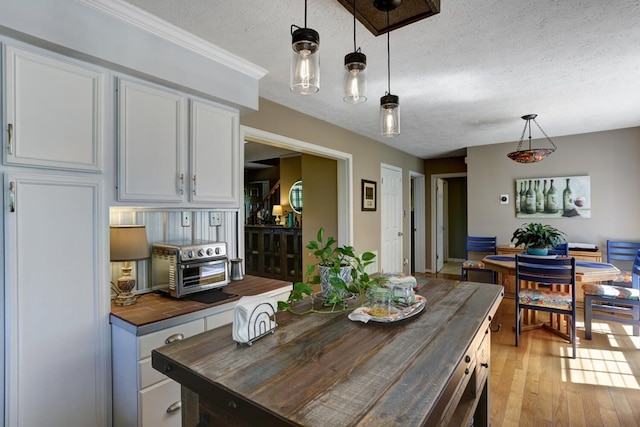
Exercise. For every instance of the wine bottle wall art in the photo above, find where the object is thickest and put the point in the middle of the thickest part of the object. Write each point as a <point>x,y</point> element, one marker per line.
<point>553,197</point>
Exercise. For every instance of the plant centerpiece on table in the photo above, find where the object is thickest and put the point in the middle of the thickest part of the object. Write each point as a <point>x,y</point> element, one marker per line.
<point>339,271</point>
<point>537,238</point>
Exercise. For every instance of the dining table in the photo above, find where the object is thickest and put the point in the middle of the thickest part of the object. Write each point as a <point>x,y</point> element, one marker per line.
<point>586,272</point>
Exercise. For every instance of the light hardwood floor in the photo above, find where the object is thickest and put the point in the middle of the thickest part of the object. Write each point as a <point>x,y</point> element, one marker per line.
<point>538,384</point>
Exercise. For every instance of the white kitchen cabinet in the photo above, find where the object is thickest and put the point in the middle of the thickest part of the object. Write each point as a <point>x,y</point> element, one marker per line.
<point>151,140</point>
<point>170,155</point>
<point>142,396</point>
<point>56,307</point>
<point>54,111</point>
<point>214,155</point>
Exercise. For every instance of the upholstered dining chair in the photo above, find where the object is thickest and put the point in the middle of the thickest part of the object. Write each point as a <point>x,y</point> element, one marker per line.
<point>561,249</point>
<point>551,271</point>
<point>621,254</point>
<point>476,249</point>
<point>618,303</point>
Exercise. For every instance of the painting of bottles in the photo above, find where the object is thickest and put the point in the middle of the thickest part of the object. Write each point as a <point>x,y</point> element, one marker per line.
<point>557,197</point>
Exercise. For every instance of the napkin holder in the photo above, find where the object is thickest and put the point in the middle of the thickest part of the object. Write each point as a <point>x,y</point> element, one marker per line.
<point>260,322</point>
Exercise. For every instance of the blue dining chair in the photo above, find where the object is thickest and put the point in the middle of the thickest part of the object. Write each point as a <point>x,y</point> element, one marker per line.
<point>550,271</point>
<point>561,249</point>
<point>621,254</point>
<point>476,249</point>
<point>616,303</point>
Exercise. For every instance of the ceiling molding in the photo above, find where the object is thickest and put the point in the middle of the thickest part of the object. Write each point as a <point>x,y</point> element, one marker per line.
<point>154,25</point>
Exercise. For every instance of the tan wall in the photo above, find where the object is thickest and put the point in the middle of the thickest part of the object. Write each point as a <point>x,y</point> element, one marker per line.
<point>367,157</point>
<point>290,172</point>
<point>610,159</point>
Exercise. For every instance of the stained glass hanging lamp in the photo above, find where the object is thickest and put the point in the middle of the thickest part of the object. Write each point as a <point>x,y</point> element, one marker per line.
<point>531,155</point>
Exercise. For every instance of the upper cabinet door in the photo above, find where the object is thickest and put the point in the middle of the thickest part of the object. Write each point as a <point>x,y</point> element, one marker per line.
<point>214,155</point>
<point>151,143</point>
<point>54,112</point>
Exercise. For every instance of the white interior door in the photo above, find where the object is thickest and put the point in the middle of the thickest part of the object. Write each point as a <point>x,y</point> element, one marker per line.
<point>440,226</point>
<point>391,214</point>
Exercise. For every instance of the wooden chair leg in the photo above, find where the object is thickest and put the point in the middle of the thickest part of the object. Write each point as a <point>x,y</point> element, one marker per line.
<point>588,313</point>
<point>573,336</point>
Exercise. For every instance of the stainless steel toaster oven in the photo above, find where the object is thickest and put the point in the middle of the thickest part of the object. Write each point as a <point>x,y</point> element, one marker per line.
<point>180,268</point>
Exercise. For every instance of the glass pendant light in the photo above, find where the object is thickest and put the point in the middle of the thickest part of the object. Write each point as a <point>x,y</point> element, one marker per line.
<point>355,78</point>
<point>305,60</point>
<point>531,155</point>
<point>389,104</point>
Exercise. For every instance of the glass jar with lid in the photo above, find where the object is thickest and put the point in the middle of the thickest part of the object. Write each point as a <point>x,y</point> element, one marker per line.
<point>380,301</point>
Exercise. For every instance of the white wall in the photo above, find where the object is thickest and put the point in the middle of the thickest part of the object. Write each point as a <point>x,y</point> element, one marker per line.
<point>610,158</point>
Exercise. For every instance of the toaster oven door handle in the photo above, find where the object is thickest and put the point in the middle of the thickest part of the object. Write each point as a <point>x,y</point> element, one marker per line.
<point>174,338</point>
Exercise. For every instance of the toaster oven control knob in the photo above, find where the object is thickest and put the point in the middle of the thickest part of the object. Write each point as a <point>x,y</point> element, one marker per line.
<point>209,251</point>
<point>217,251</point>
<point>190,254</point>
<point>200,253</point>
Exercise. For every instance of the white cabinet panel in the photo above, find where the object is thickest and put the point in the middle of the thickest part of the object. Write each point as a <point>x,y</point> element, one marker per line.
<point>159,405</point>
<point>214,155</point>
<point>56,313</point>
<point>151,141</point>
<point>54,112</point>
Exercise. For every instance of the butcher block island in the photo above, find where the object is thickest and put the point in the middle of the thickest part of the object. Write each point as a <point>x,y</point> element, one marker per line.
<point>326,370</point>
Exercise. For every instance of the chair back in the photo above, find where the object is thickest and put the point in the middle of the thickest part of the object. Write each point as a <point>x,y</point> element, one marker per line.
<point>561,249</point>
<point>561,271</point>
<point>622,254</point>
<point>635,272</point>
<point>484,245</point>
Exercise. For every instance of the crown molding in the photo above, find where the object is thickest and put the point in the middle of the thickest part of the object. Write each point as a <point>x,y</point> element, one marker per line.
<point>154,25</point>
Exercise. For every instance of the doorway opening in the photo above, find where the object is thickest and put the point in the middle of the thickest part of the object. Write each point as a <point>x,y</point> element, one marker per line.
<point>449,210</point>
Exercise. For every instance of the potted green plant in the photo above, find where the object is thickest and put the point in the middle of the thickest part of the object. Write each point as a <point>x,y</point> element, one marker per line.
<point>338,270</point>
<point>537,238</point>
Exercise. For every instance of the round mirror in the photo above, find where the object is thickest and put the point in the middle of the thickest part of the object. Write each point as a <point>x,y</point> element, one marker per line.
<point>295,197</point>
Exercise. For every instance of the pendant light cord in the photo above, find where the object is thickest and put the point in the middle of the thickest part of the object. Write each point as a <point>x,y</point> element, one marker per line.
<point>305,13</point>
<point>354,25</point>
<point>388,57</point>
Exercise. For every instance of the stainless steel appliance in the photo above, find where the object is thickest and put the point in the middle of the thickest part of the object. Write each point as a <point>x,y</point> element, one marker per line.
<point>182,268</point>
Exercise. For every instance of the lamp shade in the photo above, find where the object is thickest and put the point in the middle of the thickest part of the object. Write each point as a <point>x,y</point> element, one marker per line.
<point>277,210</point>
<point>128,243</point>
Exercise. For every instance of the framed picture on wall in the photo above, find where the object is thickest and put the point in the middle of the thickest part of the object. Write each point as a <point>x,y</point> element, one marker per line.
<point>369,197</point>
<point>553,197</point>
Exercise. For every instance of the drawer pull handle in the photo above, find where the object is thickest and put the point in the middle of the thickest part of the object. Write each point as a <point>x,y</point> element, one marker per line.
<point>467,359</point>
<point>484,365</point>
<point>174,338</point>
<point>10,139</point>
<point>496,329</point>
<point>175,406</point>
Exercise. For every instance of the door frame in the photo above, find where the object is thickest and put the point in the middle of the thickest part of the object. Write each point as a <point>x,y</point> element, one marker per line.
<point>434,225</point>
<point>345,177</point>
<point>419,233</point>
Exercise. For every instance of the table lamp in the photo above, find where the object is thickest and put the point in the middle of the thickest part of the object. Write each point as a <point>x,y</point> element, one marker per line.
<point>277,212</point>
<point>128,243</point>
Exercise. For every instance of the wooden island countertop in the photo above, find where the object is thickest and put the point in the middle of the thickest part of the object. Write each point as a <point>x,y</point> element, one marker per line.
<point>326,370</point>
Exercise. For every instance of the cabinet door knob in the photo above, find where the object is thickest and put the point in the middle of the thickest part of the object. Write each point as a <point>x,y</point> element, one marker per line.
<point>174,338</point>
<point>175,406</point>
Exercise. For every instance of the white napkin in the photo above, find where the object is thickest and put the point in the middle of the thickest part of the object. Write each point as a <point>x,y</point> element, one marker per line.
<point>250,310</point>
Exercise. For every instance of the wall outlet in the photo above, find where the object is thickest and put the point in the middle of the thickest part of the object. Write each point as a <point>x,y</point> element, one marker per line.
<point>215,218</point>
<point>186,219</point>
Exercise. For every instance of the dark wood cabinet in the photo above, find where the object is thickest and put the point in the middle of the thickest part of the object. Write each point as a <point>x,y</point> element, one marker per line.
<point>274,252</point>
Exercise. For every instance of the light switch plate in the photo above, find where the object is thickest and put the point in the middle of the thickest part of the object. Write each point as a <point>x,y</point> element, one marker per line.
<point>215,218</point>
<point>504,199</point>
<point>186,219</point>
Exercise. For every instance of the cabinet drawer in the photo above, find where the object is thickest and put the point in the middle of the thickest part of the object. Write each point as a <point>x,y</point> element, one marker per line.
<point>218,319</point>
<point>158,339</point>
<point>154,402</point>
<point>483,356</point>
<point>148,375</point>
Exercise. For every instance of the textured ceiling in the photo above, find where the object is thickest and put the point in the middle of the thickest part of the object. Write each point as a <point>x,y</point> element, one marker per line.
<point>464,76</point>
